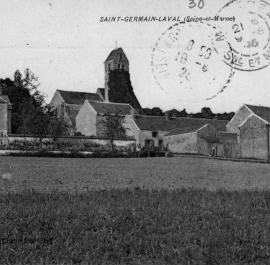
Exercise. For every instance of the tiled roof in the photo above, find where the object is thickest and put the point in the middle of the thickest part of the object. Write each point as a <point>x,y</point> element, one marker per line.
<point>114,54</point>
<point>183,125</point>
<point>189,129</point>
<point>5,99</point>
<point>263,112</point>
<point>101,91</point>
<point>152,123</point>
<point>72,111</point>
<point>111,108</point>
<point>73,97</point>
<point>2,100</point>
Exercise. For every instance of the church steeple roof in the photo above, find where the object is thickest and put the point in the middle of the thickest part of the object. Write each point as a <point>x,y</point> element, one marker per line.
<point>115,54</point>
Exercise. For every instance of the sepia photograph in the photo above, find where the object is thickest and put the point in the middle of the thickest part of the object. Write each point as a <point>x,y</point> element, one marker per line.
<point>135,132</point>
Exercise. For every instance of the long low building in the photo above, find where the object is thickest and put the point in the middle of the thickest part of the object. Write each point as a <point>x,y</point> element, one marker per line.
<point>150,131</point>
<point>205,140</point>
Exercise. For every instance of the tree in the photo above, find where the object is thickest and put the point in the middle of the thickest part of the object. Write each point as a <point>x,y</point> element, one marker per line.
<point>147,111</point>
<point>176,113</point>
<point>31,83</point>
<point>225,116</point>
<point>33,120</point>
<point>113,126</point>
<point>38,125</point>
<point>57,126</point>
<point>24,95</point>
<point>26,110</point>
<point>30,114</point>
<point>156,111</point>
<point>18,82</point>
<point>183,113</point>
<point>207,113</point>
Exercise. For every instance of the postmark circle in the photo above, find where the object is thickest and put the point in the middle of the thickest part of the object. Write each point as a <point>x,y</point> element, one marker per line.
<point>186,64</point>
<point>245,44</point>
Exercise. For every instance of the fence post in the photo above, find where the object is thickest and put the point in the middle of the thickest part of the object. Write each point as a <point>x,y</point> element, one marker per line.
<point>267,141</point>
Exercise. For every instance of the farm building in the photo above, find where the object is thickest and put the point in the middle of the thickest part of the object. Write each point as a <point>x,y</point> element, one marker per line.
<point>251,123</point>
<point>5,114</point>
<point>194,139</point>
<point>205,140</point>
<point>150,131</point>
<point>68,103</point>
<point>90,115</point>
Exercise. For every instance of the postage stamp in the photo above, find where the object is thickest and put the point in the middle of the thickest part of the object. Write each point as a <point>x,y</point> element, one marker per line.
<point>186,64</point>
<point>245,44</point>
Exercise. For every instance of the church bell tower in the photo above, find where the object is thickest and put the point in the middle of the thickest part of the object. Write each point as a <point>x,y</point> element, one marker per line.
<point>116,60</point>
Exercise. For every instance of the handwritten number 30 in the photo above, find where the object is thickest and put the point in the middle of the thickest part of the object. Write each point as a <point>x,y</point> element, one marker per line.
<point>192,4</point>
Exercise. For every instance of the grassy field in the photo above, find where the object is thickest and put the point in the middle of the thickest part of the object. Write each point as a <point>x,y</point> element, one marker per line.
<point>135,226</point>
<point>79,175</point>
<point>134,211</point>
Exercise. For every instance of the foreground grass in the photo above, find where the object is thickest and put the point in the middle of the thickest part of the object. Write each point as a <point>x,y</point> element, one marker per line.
<point>135,226</point>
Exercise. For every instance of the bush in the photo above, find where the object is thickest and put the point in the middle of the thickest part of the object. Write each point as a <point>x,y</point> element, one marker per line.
<point>75,154</point>
<point>44,153</point>
<point>90,146</point>
<point>152,153</point>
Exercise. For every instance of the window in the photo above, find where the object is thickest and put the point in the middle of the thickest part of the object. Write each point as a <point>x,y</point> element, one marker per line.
<point>147,143</point>
<point>109,67</point>
<point>118,66</point>
<point>154,134</point>
<point>123,66</point>
<point>121,56</point>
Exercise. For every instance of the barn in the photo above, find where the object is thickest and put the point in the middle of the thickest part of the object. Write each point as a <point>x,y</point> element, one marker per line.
<point>251,123</point>
<point>193,140</point>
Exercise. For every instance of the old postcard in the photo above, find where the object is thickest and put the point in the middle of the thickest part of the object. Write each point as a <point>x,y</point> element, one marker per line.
<point>134,132</point>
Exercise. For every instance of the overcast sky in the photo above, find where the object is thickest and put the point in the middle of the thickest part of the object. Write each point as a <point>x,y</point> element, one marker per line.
<point>64,43</point>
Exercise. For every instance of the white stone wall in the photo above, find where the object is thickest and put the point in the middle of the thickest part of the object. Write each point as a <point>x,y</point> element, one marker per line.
<point>86,120</point>
<point>237,119</point>
<point>182,143</point>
